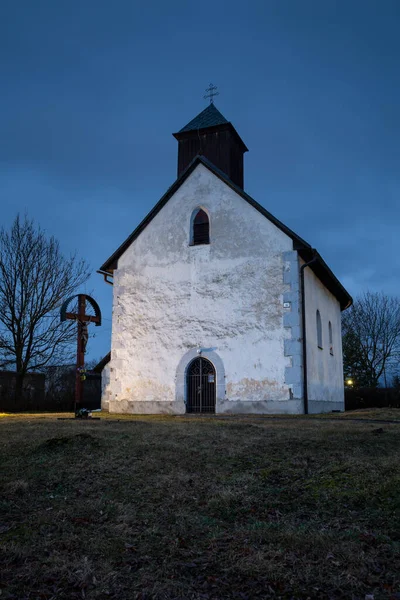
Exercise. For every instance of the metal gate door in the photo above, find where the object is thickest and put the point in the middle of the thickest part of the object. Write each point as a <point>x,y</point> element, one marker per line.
<point>201,386</point>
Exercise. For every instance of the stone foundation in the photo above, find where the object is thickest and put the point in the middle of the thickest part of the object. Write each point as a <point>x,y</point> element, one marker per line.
<point>322,406</point>
<point>263,407</point>
<point>223,407</point>
<point>131,407</point>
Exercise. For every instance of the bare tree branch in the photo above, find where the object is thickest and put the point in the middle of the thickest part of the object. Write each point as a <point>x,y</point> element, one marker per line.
<point>371,338</point>
<point>35,278</point>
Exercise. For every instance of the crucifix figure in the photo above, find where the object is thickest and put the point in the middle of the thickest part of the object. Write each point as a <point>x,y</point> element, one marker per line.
<point>211,93</point>
<point>84,335</point>
<point>83,321</point>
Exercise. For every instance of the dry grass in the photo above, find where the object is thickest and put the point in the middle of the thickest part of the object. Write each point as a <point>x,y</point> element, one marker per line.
<point>374,413</point>
<point>170,508</point>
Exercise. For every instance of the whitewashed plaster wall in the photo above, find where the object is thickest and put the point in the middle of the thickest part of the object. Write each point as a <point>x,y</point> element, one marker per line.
<point>105,386</point>
<point>324,370</point>
<point>171,298</point>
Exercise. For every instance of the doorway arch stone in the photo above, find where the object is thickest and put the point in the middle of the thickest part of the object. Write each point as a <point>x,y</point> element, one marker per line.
<point>181,375</point>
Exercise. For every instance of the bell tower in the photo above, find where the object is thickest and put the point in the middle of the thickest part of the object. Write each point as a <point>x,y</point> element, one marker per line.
<point>212,136</point>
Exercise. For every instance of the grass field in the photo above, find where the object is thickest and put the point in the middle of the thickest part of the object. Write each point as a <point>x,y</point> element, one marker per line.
<point>193,508</point>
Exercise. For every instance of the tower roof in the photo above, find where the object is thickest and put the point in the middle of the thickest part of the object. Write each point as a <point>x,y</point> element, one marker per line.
<point>209,117</point>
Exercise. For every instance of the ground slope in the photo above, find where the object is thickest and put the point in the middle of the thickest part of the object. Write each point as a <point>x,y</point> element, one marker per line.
<point>199,508</point>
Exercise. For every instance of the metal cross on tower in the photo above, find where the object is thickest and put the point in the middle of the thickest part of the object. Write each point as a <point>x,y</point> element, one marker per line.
<point>211,93</point>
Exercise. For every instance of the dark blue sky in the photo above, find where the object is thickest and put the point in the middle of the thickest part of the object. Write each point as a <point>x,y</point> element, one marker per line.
<point>91,92</point>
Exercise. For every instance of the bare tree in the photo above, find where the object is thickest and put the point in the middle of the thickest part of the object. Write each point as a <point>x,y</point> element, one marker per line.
<point>35,278</point>
<point>371,338</point>
<point>396,381</point>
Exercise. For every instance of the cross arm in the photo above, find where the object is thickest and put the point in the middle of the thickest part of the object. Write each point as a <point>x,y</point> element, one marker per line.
<point>86,318</point>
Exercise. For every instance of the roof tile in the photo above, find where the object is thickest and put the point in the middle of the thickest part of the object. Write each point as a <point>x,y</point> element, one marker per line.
<point>209,117</point>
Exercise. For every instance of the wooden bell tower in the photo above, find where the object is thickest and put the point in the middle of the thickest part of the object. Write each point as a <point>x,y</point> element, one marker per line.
<point>212,136</point>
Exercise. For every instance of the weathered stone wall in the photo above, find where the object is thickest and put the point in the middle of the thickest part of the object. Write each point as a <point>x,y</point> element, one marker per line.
<point>324,370</point>
<point>172,299</point>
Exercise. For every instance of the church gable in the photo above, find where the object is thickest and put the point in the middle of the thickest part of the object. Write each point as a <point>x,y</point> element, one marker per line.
<point>112,262</point>
<point>233,229</point>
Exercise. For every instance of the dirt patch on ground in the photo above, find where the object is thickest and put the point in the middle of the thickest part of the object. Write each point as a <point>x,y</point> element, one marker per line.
<point>62,443</point>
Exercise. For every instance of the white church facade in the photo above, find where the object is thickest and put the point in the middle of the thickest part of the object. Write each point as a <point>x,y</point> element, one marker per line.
<point>218,307</point>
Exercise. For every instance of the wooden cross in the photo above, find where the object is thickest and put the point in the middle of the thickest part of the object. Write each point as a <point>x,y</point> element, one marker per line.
<point>212,92</point>
<point>82,336</point>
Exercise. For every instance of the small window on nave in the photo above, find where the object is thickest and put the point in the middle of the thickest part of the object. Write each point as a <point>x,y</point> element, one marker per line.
<point>319,330</point>
<point>330,338</point>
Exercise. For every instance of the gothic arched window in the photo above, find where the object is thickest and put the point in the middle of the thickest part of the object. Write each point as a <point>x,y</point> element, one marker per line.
<point>200,228</point>
<point>319,330</point>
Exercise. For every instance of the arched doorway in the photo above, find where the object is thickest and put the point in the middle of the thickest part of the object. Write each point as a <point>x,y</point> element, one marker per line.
<point>201,386</point>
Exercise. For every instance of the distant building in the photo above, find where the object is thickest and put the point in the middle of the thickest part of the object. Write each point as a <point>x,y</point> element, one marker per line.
<point>33,392</point>
<point>208,298</point>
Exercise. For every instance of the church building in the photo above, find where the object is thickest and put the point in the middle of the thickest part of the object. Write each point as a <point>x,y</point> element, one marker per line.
<point>218,307</point>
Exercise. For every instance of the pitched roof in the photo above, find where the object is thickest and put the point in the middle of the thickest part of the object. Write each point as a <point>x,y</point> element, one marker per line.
<point>209,117</point>
<point>305,250</point>
<point>102,363</point>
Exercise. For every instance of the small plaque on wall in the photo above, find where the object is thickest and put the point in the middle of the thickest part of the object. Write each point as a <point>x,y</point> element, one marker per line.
<point>211,378</point>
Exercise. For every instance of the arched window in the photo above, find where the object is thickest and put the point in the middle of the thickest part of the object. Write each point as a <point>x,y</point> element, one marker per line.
<point>319,330</point>
<point>330,338</point>
<point>201,228</point>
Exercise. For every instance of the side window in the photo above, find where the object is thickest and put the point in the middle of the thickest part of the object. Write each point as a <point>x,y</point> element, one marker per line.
<point>319,330</point>
<point>330,338</point>
<point>200,233</point>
